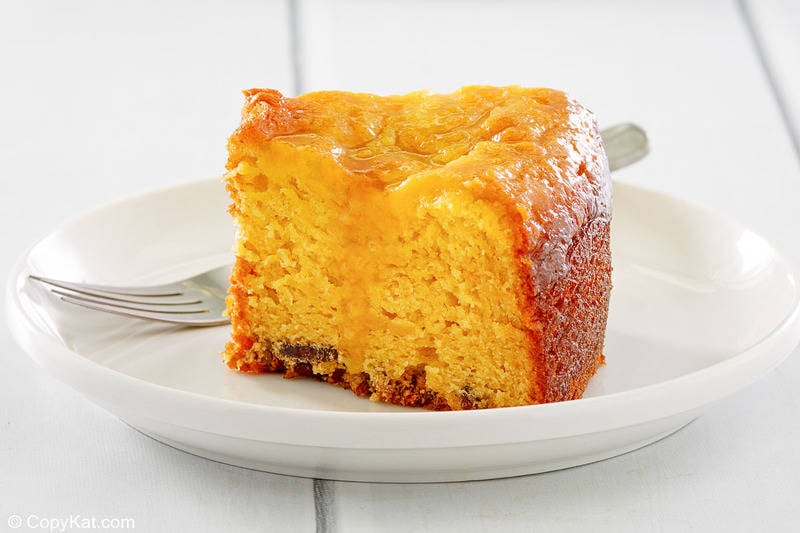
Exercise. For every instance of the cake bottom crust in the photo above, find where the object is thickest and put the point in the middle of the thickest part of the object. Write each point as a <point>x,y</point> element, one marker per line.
<point>409,390</point>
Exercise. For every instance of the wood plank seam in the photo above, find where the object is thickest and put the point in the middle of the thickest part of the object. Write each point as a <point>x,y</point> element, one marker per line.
<point>324,505</point>
<point>758,45</point>
<point>296,47</point>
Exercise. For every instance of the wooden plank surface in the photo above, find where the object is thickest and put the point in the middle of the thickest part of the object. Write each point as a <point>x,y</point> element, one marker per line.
<point>98,101</point>
<point>102,100</point>
<point>690,74</point>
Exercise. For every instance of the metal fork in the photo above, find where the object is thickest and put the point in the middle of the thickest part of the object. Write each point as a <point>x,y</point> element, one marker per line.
<point>200,300</point>
<point>196,301</point>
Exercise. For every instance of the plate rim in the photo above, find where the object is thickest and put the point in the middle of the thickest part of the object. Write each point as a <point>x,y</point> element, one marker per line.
<point>728,376</point>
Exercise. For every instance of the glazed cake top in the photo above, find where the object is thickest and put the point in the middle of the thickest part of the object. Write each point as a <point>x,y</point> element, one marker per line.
<point>534,150</point>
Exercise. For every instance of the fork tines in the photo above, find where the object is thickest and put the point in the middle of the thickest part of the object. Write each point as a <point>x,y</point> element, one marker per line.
<point>178,303</point>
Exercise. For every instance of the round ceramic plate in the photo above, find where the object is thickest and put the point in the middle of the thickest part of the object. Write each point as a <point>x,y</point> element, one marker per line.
<point>700,308</point>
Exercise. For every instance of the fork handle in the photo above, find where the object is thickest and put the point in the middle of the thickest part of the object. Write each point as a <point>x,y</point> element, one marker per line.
<point>625,144</point>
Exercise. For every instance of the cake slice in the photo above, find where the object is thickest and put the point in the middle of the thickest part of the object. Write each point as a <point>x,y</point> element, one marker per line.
<point>449,251</point>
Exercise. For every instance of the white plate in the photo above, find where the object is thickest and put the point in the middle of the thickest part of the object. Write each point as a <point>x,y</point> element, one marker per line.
<point>700,308</point>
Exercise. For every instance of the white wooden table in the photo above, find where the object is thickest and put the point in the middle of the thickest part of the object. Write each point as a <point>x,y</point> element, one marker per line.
<point>100,101</point>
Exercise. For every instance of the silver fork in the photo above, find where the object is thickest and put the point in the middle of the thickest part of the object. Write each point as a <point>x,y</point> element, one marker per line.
<point>200,300</point>
<point>196,301</point>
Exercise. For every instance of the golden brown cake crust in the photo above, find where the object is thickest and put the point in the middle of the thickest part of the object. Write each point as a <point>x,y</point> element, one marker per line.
<point>535,152</point>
